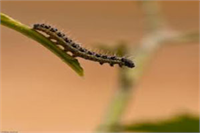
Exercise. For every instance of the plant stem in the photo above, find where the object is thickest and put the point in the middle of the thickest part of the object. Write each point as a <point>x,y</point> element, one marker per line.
<point>157,35</point>
<point>128,79</point>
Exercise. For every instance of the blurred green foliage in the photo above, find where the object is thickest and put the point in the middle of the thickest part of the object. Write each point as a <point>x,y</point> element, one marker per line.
<point>180,123</point>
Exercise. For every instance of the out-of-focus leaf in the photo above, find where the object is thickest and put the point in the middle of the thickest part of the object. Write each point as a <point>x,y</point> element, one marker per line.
<point>181,123</point>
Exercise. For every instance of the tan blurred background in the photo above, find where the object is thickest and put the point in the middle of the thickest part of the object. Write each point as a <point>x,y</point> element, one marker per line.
<point>41,93</point>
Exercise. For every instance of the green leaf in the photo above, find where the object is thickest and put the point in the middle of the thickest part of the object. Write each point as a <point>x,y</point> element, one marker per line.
<point>29,32</point>
<point>181,123</point>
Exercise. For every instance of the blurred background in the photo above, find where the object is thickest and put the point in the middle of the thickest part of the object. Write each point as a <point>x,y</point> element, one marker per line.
<point>41,93</point>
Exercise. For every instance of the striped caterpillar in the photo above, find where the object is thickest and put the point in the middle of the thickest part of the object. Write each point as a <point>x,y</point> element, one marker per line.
<point>77,51</point>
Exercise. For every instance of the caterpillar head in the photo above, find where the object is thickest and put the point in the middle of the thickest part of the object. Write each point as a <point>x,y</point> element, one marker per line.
<point>128,62</point>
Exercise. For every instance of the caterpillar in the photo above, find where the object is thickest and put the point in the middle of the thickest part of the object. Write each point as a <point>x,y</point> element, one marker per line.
<point>67,45</point>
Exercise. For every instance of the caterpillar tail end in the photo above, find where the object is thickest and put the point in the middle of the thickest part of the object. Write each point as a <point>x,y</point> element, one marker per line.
<point>128,63</point>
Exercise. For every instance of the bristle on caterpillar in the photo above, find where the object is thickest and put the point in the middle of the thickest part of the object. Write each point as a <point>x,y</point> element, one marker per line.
<point>77,50</point>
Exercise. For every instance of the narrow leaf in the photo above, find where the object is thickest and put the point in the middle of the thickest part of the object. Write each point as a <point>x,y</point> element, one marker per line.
<point>29,32</point>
